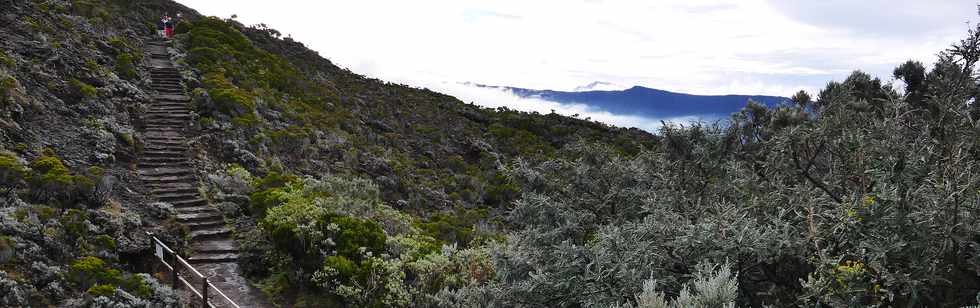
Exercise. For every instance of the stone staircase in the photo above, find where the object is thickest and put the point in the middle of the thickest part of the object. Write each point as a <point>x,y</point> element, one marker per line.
<point>167,169</point>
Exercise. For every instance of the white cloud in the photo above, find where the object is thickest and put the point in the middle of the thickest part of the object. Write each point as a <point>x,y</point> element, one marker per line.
<point>497,97</point>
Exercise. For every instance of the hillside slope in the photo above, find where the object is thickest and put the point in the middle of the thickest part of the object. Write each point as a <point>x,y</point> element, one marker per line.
<point>274,124</point>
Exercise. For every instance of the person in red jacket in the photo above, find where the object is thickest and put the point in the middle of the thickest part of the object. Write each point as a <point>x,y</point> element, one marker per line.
<point>168,26</point>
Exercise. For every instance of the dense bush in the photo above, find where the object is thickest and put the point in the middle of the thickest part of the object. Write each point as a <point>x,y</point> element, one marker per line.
<point>81,90</point>
<point>51,181</point>
<point>270,191</point>
<point>125,67</point>
<point>12,173</point>
<point>93,274</point>
<point>332,241</point>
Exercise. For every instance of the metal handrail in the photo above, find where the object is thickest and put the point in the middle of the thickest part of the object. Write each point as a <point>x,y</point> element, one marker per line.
<point>160,248</point>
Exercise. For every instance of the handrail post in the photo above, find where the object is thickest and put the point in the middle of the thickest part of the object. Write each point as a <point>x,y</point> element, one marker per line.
<point>204,293</point>
<point>173,271</point>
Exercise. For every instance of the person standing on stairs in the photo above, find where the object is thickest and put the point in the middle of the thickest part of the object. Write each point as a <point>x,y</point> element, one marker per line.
<point>168,27</point>
<point>175,22</point>
<point>161,26</point>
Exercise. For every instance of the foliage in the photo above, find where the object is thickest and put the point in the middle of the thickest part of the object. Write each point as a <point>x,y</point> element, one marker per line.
<point>7,84</point>
<point>6,60</point>
<point>335,235</point>
<point>80,89</point>
<point>710,287</point>
<point>269,191</point>
<point>99,278</point>
<point>51,181</point>
<point>125,66</point>
<point>12,173</point>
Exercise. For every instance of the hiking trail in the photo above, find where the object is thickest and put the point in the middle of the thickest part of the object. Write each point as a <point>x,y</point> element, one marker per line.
<point>167,169</point>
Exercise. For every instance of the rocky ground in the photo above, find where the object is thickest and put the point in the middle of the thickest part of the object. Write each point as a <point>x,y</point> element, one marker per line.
<point>73,214</point>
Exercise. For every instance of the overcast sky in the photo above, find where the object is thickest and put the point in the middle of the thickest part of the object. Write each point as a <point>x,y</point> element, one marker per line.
<point>703,47</point>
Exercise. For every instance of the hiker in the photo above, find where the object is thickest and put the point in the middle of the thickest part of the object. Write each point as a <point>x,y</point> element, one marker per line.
<point>168,26</point>
<point>173,24</point>
<point>161,24</point>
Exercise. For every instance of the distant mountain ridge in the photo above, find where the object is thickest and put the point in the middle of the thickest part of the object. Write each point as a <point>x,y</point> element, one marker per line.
<point>648,102</point>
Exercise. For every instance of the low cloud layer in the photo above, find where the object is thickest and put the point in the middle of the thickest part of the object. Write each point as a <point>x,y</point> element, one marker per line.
<point>495,97</point>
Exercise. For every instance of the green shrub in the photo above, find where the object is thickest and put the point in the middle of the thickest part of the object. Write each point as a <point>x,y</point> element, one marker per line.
<point>6,249</point>
<point>120,43</point>
<point>95,275</point>
<point>355,234</point>
<point>6,60</point>
<point>105,242</point>
<point>125,66</point>
<point>82,90</point>
<point>51,180</point>
<point>136,285</point>
<point>102,290</point>
<point>88,271</point>
<point>75,222</point>
<point>270,191</point>
<point>7,84</point>
<point>448,228</point>
<point>12,173</point>
<point>262,200</point>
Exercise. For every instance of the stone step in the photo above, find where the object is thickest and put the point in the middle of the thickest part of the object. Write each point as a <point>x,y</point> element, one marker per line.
<point>175,98</point>
<point>167,197</point>
<point>205,225</point>
<point>195,217</point>
<point>171,186</point>
<point>180,147</point>
<point>165,121</point>
<point>162,160</point>
<point>166,115</point>
<point>189,203</point>
<point>215,233</point>
<point>170,116</point>
<point>176,129</point>
<point>157,129</point>
<point>170,110</point>
<point>169,91</point>
<point>169,179</point>
<point>159,153</point>
<point>165,171</point>
<point>165,106</point>
<point>213,258</point>
<point>196,209</point>
<point>161,142</point>
<point>151,165</point>
<point>219,246</point>
<point>164,141</point>
<point>166,148</point>
<point>167,86</point>
<point>171,135</point>
<point>175,190</point>
<point>169,123</point>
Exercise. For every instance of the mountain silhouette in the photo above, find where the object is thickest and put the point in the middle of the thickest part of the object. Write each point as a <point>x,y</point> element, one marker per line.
<point>649,102</point>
